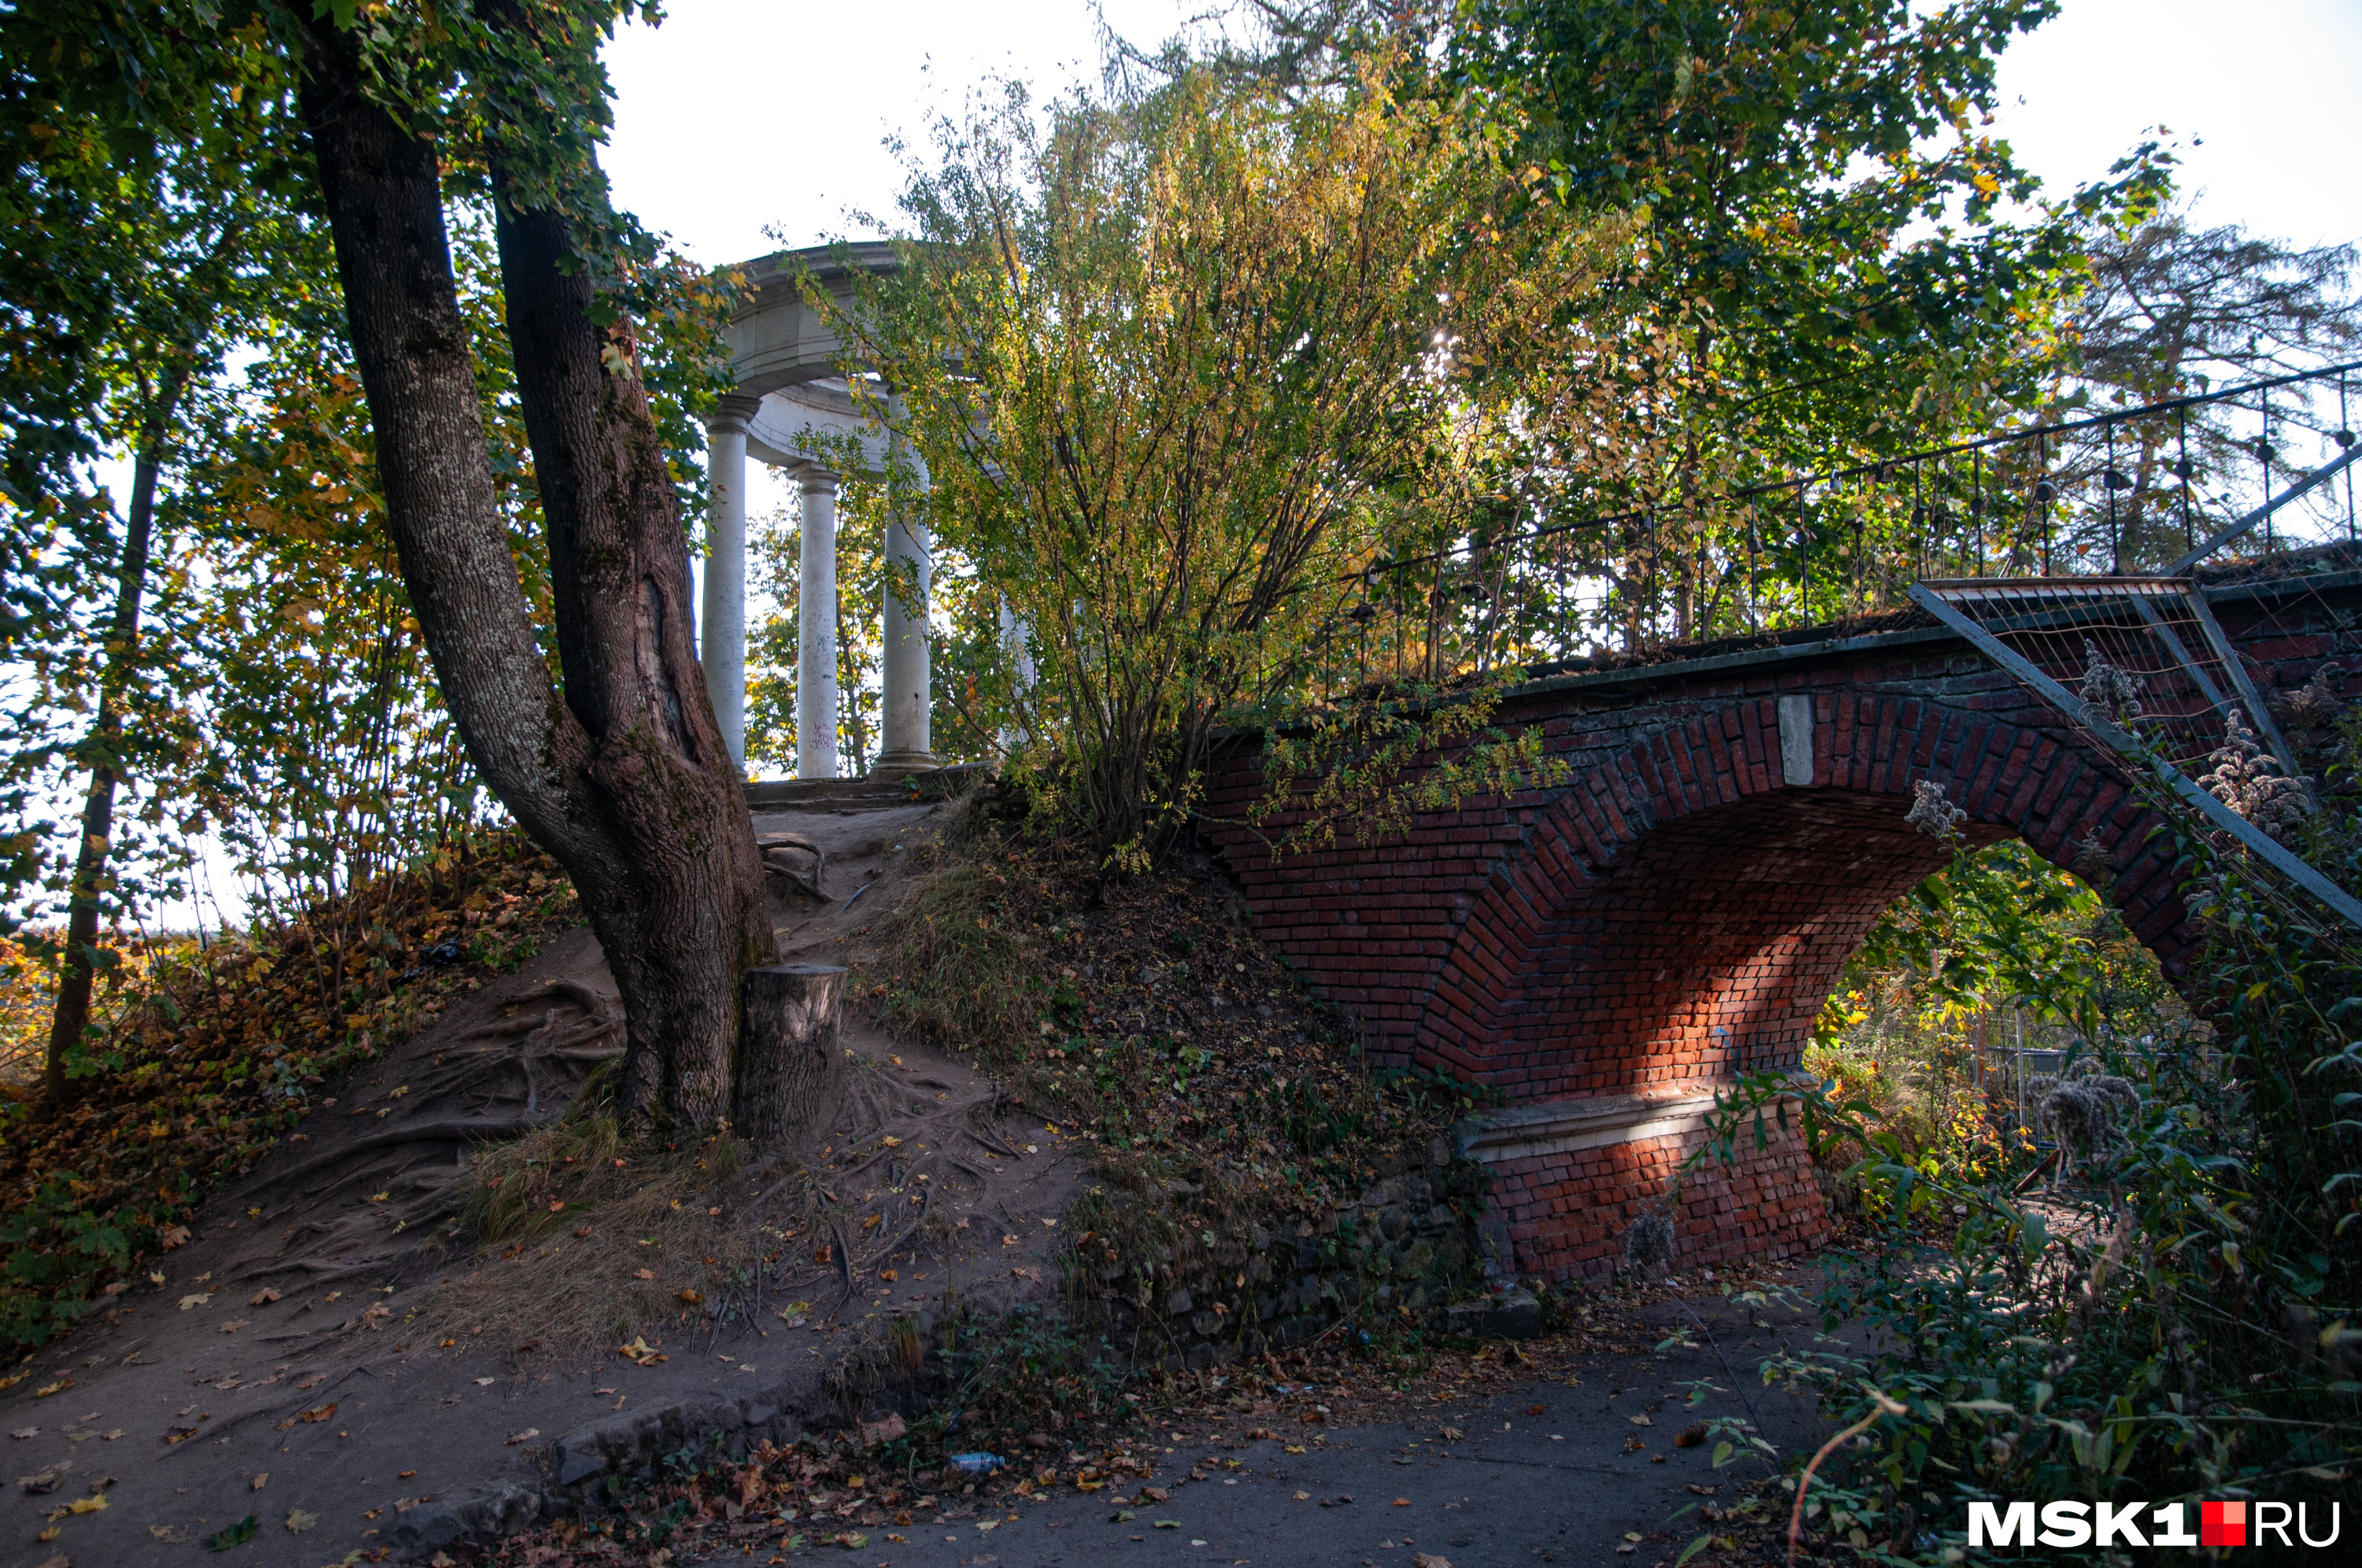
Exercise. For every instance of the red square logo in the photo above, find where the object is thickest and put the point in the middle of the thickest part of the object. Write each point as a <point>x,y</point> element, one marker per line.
<point>2222,1524</point>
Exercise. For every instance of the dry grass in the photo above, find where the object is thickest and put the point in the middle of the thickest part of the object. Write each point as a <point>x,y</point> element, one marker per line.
<point>583,1239</point>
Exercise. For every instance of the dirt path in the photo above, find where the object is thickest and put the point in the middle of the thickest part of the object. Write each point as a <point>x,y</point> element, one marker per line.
<point>1545,1468</point>
<point>329,1356</point>
<point>1559,1451</point>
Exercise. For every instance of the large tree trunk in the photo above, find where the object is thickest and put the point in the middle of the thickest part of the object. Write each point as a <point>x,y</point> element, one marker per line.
<point>69,1019</point>
<point>668,791</point>
<point>624,778</point>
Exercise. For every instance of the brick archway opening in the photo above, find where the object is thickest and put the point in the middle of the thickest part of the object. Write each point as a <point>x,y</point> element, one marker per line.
<point>1706,948</point>
<point>1702,951</point>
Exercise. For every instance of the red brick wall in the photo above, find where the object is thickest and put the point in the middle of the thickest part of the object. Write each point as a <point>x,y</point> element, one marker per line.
<point>1567,1214</point>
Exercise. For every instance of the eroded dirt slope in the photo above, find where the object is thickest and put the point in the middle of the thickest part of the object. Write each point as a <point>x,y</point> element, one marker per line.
<point>335,1355</point>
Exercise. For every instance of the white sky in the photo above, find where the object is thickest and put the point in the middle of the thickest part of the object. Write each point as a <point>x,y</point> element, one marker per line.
<point>737,115</point>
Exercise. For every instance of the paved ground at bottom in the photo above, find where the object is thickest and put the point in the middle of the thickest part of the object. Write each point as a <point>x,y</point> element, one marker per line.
<point>1544,1473</point>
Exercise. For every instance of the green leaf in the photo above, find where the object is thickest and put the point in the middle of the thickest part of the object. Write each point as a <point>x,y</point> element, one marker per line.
<point>237,1534</point>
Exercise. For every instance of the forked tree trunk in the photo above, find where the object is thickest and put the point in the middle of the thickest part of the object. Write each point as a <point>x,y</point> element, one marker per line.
<point>624,778</point>
<point>690,918</point>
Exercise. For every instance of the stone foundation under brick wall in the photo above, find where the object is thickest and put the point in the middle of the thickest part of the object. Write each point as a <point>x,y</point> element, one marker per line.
<point>1570,1178</point>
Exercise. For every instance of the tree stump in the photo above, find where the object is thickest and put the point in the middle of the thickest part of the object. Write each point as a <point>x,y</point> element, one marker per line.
<point>788,1051</point>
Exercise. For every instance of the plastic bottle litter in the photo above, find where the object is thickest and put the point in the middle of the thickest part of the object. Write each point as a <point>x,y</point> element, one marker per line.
<point>979,1463</point>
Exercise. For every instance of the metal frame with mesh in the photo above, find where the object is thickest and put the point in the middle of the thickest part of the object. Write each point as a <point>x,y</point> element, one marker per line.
<point>2154,682</point>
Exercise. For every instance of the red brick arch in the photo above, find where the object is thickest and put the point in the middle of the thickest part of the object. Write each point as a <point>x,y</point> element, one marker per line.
<point>1609,952</point>
<point>1679,914</point>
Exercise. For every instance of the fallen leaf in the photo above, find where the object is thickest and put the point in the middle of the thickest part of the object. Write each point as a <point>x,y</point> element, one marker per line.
<point>172,1236</point>
<point>26,1432</point>
<point>59,1387</point>
<point>526,1435</point>
<point>264,1296</point>
<point>321,1412</point>
<point>298,1521</point>
<point>1294,1447</point>
<point>171,1535</point>
<point>198,1299</point>
<point>1642,1421</point>
<point>486,1382</point>
<point>690,1299</point>
<point>1429,1560</point>
<point>581,1230</point>
<point>1402,1502</point>
<point>379,1197</point>
<point>43,1481</point>
<point>50,1534</point>
<point>259,1482</point>
<point>1168,1524</point>
<point>96,1505</point>
<point>644,1273</point>
<point>237,1534</point>
<point>233,1326</point>
<point>1690,1436</point>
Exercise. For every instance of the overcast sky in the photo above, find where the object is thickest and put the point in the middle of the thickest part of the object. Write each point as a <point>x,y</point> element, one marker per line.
<point>739,116</point>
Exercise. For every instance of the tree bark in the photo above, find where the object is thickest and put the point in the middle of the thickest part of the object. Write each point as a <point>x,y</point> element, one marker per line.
<point>69,1019</point>
<point>667,792</point>
<point>793,1015</point>
<point>623,777</point>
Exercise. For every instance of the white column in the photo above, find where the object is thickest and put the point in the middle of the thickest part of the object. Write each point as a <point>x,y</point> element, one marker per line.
<point>816,629</point>
<point>1017,637</point>
<point>721,640</point>
<point>904,748</point>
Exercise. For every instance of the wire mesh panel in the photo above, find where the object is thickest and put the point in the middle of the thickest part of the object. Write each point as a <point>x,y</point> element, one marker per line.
<point>2140,668</point>
<point>2145,650</point>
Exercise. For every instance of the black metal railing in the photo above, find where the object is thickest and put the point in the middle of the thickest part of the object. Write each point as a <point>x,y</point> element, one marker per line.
<point>2128,490</point>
